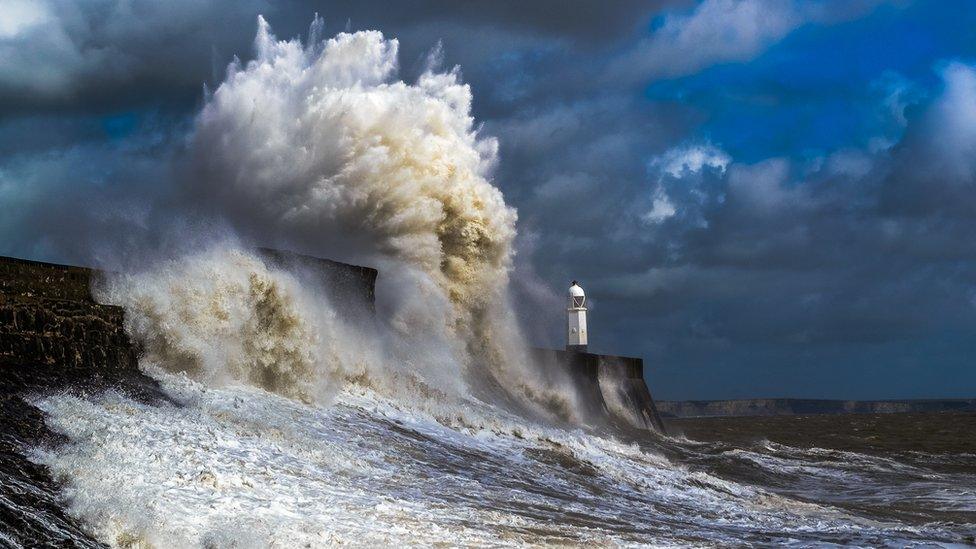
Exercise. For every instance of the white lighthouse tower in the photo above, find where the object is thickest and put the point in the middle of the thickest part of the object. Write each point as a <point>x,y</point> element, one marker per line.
<point>576,319</point>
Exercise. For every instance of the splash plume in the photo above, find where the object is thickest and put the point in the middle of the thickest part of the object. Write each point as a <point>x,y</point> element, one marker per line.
<point>224,316</point>
<point>320,144</point>
<point>319,147</point>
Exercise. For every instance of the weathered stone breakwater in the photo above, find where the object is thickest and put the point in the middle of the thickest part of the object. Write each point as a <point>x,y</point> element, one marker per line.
<point>49,318</point>
<point>95,453</point>
<point>39,329</point>
<point>53,335</point>
<point>612,388</point>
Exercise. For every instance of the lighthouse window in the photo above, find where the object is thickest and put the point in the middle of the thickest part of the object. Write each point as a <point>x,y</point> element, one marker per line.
<point>572,330</point>
<point>578,301</point>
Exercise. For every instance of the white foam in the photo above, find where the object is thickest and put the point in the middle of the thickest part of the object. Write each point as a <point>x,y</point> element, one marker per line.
<point>294,429</point>
<point>238,465</point>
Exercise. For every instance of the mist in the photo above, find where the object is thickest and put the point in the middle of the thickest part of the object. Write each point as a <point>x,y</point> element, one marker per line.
<point>317,147</point>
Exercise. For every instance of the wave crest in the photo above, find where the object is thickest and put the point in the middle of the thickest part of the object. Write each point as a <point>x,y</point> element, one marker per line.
<point>321,145</point>
<point>224,315</point>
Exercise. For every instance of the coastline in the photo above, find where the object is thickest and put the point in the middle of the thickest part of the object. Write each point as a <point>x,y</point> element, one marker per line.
<point>800,407</point>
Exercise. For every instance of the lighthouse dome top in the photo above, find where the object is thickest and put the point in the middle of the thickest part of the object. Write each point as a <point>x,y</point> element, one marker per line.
<point>575,290</point>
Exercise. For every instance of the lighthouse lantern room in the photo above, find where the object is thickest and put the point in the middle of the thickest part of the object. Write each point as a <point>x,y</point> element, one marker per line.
<point>576,319</point>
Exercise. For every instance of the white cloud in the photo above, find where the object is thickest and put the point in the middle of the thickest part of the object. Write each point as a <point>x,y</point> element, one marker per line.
<point>677,174</point>
<point>37,55</point>
<point>662,208</point>
<point>54,49</point>
<point>849,163</point>
<point>719,31</point>
<point>950,126</point>
<point>20,15</point>
<point>681,161</point>
<point>761,187</point>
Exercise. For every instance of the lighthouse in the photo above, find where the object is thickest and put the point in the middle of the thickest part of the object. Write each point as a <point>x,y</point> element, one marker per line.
<point>576,319</point>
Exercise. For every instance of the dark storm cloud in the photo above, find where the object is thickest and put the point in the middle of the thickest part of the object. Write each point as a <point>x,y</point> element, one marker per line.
<point>95,201</point>
<point>581,20</point>
<point>106,54</point>
<point>781,251</point>
<point>102,54</point>
<point>858,248</point>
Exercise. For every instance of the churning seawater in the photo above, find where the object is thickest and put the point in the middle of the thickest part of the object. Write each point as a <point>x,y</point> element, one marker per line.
<point>241,467</point>
<point>281,423</point>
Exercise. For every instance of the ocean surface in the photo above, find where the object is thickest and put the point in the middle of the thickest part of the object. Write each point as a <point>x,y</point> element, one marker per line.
<point>199,466</point>
<point>279,413</point>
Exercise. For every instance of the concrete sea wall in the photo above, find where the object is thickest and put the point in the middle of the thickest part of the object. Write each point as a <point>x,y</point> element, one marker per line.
<point>51,326</point>
<point>612,388</point>
<point>49,319</point>
<point>53,335</point>
<point>347,285</point>
<point>53,331</point>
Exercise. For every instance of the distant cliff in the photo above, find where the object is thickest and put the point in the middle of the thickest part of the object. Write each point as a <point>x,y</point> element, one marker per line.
<point>799,407</point>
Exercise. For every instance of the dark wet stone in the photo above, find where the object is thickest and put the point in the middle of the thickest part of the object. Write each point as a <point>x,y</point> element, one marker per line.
<point>53,337</point>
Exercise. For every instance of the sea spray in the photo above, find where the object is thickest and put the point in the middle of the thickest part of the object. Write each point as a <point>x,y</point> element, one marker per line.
<point>318,146</point>
<point>321,148</point>
<point>241,467</point>
<point>222,315</point>
<point>311,144</point>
